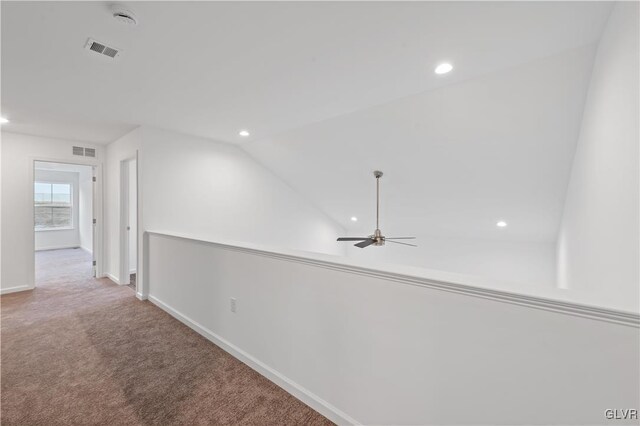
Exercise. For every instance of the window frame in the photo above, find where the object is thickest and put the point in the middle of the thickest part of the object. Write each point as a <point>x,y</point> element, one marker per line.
<point>71,205</point>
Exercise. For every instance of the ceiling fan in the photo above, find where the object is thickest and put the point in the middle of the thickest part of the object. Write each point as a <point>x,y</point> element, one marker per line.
<point>377,239</point>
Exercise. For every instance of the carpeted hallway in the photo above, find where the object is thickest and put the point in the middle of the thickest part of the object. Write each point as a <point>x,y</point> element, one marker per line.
<point>79,350</point>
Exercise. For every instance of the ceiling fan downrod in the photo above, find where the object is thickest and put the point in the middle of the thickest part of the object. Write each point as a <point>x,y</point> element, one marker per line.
<point>377,234</point>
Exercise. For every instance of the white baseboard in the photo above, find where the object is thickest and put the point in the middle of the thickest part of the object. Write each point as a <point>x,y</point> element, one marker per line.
<point>112,278</point>
<point>57,247</point>
<point>141,296</point>
<point>312,400</point>
<point>15,289</point>
<point>87,249</point>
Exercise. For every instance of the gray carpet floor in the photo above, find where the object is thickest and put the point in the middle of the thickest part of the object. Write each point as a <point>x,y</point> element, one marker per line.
<point>79,351</point>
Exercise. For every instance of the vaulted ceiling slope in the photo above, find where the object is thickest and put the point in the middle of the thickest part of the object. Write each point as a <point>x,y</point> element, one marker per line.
<point>212,68</point>
<point>456,159</point>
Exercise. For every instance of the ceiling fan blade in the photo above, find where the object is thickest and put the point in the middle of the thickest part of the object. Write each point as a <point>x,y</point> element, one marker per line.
<point>399,238</point>
<point>352,238</point>
<point>398,242</point>
<point>366,243</point>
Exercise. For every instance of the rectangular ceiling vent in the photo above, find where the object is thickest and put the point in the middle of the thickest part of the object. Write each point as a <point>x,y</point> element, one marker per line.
<point>101,48</point>
<point>85,152</point>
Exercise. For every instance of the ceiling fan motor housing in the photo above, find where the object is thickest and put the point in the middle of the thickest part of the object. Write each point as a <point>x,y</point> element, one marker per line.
<point>378,237</point>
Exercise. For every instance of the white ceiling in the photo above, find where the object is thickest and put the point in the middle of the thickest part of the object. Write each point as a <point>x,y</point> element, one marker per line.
<point>331,91</point>
<point>212,68</point>
<point>456,159</point>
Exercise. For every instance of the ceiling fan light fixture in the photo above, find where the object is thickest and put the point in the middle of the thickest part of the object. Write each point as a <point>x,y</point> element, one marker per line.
<point>354,219</point>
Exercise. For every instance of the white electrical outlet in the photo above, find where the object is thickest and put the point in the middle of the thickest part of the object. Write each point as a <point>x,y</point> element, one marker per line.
<point>233,304</point>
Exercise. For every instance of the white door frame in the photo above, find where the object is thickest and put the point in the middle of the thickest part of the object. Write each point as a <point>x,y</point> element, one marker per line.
<point>96,208</point>
<point>125,269</point>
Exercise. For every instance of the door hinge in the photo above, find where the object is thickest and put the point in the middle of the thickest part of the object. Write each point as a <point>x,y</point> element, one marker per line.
<point>94,263</point>
<point>94,178</point>
<point>95,221</point>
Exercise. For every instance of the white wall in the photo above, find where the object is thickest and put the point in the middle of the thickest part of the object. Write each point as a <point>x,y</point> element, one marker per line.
<point>215,190</point>
<point>61,238</point>
<point>18,153</point>
<point>1,286</point>
<point>85,224</point>
<point>122,149</point>
<point>133,217</point>
<point>598,244</point>
<point>529,266</point>
<point>387,351</point>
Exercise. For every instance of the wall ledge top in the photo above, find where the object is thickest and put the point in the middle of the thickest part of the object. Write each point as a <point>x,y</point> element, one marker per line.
<point>439,280</point>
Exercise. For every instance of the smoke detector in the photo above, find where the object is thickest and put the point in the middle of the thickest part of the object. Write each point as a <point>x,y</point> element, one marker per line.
<point>124,15</point>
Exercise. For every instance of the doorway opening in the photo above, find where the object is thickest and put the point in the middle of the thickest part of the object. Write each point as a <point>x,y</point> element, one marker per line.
<point>64,226</point>
<point>129,223</point>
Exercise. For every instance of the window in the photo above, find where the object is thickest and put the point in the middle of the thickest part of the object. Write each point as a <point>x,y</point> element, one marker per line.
<point>52,205</point>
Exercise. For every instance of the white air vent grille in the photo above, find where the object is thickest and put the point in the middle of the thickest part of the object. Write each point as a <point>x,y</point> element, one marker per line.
<point>101,48</point>
<point>110,52</point>
<point>85,152</point>
<point>97,47</point>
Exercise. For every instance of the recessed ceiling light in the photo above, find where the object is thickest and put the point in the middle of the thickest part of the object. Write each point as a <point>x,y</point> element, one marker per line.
<point>244,133</point>
<point>354,219</point>
<point>501,224</point>
<point>3,120</point>
<point>443,68</point>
